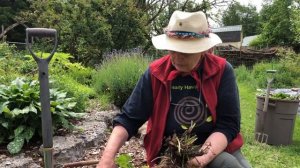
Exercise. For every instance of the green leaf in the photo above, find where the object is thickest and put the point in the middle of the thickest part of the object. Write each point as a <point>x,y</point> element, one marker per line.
<point>33,83</point>
<point>16,145</point>
<point>184,127</point>
<point>61,95</point>
<point>19,130</point>
<point>65,123</point>
<point>71,105</point>
<point>19,82</point>
<point>28,133</point>
<point>5,125</point>
<point>32,108</point>
<point>18,111</point>
<point>61,107</point>
<point>76,115</point>
<point>3,106</point>
<point>54,103</point>
<point>25,110</point>
<point>52,109</point>
<point>124,161</point>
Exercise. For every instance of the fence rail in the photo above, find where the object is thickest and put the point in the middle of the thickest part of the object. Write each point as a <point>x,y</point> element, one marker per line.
<point>247,57</point>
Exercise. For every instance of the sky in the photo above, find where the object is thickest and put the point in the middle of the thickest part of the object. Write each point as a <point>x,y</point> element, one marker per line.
<point>256,3</point>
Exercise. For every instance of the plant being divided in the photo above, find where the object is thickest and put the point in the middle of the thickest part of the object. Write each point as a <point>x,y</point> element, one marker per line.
<point>180,149</point>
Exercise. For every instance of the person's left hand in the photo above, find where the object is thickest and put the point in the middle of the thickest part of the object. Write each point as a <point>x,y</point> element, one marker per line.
<point>197,162</point>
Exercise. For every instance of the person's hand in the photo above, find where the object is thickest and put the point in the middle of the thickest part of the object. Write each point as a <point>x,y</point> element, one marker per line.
<point>107,162</point>
<point>197,162</point>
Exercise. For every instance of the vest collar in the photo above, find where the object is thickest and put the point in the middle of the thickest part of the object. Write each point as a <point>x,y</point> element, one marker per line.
<point>161,68</point>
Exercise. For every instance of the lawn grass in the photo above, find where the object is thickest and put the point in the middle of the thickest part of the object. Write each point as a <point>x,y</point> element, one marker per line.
<point>262,155</point>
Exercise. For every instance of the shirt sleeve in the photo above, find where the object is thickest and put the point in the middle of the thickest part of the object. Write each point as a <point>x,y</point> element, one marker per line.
<point>138,107</point>
<point>228,107</point>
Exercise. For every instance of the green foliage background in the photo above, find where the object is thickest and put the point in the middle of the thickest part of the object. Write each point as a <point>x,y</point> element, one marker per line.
<point>280,24</point>
<point>20,112</point>
<point>118,75</point>
<point>287,71</point>
<point>237,14</point>
<point>20,109</point>
<point>87,29</point>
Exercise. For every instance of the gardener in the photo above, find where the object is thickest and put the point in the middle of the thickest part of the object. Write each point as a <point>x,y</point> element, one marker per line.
<point>190,84</point>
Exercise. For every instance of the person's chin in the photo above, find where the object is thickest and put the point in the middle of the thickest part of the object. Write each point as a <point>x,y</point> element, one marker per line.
<point>183,70</point>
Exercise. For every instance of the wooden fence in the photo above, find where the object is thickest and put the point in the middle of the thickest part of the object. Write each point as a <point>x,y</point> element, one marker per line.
<point>246,57</point>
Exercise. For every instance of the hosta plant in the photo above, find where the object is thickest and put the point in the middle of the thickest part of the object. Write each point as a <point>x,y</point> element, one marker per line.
<point>20,112</point>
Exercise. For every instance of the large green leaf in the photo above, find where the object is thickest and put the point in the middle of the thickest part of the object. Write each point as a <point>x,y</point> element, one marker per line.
<point>19,82</point>
<point>28,133</point>
<point>61,95</point>
<point>76,115</point>
<point>71,105</point>
<point>3,106</point>
<point>17,111</point>
<point>5,124</point>
<point>61,107</point>
<point>18,131</point>
<point>32,108</point>
<point>16,145</point>
<point>21,101</point>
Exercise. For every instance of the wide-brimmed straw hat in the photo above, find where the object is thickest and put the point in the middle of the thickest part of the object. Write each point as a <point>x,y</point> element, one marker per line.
<point>187,32</point>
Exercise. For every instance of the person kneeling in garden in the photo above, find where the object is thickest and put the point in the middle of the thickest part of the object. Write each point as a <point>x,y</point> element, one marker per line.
<point>188,85</point>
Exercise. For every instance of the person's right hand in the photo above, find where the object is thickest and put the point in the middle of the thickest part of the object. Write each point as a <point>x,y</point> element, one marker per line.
<point>107,163</point>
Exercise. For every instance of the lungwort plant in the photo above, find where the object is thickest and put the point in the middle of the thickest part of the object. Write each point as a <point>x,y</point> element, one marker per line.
<point>20,112</point>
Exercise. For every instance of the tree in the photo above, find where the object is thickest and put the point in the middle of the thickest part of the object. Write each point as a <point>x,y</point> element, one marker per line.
<point>8,10</point>
<point>295,20</point>
<point>280,24</point>
<point>238,14</point>
<point>89,28</point>
<point>128,25</point>
<point>160,11</point>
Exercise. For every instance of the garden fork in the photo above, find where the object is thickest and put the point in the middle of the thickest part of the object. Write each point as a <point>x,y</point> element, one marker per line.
<point>261,136</point>
<point>44,90</point>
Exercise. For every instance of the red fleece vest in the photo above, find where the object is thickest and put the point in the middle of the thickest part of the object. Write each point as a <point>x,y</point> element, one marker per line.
<point>160,69</point>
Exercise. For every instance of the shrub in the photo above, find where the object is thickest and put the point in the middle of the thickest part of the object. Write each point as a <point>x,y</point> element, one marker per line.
<point>287,71</point>
<point>78,91</point>
<point>20,111</point>
<point>70,77</point>
<point>6,50</point>
<point>290,62</point>
<point>243,74</point>
<point>259,73</point>
<point>10,63</point>
<point>118,75</point>
<point>61,64</point>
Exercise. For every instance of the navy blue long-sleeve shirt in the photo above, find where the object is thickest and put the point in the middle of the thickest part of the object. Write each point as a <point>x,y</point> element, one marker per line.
<point>138,107</point>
